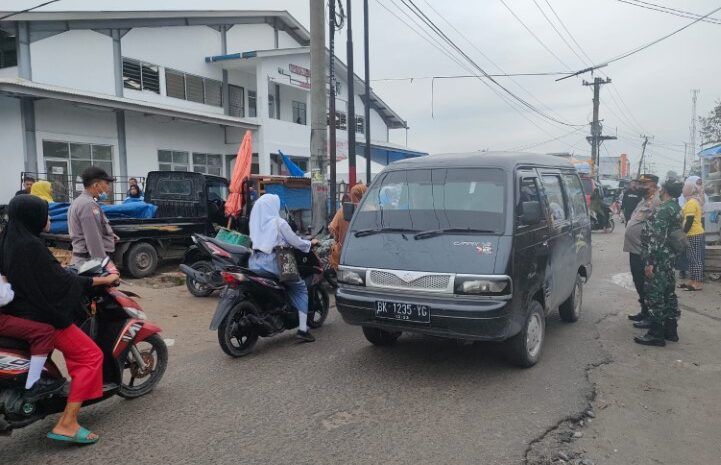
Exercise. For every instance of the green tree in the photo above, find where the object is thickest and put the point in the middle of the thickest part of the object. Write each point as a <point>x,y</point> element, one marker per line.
<point>711,125</point>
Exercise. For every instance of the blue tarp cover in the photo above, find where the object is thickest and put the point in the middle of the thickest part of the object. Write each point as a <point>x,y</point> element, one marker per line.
<point>711,151</point>
<point>292,198</point>
<point>138,209</point>
<point>293,169</point>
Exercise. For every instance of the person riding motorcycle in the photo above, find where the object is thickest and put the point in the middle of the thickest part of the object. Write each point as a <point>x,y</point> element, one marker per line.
<point>600,209</point>
<point>46,292</point>
<point>268,231</point>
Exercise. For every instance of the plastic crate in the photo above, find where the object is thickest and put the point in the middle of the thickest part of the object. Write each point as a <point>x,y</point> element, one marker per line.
<point>233,237</point>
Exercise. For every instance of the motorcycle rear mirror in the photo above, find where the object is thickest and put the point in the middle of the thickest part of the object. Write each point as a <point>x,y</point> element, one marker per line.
<point>91,266</point>
<point>105,262</point>
<point>348,210</point>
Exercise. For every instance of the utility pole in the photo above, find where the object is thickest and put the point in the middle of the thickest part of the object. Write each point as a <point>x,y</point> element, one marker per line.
<point>685,157</point>
<point>643,154</point>
<point>692,139</point>
<point>351,100</point>
<point>596,136</point>
<point>318,128</point>
<point>367,106</point>
<point>331,112</point>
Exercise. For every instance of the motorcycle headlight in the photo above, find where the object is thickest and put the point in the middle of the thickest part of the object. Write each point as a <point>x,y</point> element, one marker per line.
<point>483,285</point>
<point>353,277</point>
<point>136,313</point>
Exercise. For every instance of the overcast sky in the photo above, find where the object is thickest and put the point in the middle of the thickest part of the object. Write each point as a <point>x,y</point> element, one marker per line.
<point>650,93</point>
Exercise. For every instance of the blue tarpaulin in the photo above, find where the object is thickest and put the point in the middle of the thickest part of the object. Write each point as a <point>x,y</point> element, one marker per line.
<point>293,169</point>
<point>292,198</point>
<point>711,151</point>
<point>59,213</point>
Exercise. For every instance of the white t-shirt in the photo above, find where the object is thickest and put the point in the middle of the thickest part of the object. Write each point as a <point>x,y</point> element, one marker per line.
<point>6,292</point>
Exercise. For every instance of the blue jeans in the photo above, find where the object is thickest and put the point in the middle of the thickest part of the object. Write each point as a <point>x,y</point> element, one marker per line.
<point>297,290</point>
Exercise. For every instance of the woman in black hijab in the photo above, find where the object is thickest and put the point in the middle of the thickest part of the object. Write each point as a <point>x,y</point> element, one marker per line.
<point>46,292</point>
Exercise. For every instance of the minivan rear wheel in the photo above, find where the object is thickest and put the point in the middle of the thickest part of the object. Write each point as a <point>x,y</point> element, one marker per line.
<point>570,310</point>
<point>524,349</point>
<point>379,337</point>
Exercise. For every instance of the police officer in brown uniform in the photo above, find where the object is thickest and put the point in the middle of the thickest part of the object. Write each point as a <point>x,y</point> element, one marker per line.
<point>90,231</point>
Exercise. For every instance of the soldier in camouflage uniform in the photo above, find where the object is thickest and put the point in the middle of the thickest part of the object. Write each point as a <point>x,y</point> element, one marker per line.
<point>659,259</point>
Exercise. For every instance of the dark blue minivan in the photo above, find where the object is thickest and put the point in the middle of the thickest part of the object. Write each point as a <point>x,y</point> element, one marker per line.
<point>478,246</point>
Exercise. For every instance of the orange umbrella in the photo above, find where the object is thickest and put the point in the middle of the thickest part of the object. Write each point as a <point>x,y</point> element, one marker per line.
<point>241,172</point>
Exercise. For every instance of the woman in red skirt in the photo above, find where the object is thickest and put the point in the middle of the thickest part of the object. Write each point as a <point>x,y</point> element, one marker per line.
<point>47,293</point>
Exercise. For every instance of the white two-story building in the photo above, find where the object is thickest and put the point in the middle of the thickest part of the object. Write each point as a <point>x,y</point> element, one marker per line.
<point>135,91</point>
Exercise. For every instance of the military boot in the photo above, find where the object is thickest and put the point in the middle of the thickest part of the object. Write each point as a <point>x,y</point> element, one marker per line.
<point>645,323</point>
<point>642,315</point>
<point>654,336</point>
<point>671,330</point>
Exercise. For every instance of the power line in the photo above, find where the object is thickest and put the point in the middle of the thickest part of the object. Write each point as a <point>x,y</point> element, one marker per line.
<point>667,10</point>
<point>463,76</point>
<point>535,2</point>
<point>536,144</point>
<point>534,35</point>
<point>29,9</point>
<point>429,22</point>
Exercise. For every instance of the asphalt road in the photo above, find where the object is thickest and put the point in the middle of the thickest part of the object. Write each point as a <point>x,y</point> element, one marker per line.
<point>339,400</point>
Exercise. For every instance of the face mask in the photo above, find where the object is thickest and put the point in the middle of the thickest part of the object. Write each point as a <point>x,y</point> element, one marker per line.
<point>102,196</point>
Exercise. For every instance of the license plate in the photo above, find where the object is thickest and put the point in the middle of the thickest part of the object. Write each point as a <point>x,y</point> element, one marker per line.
<point>403,312</point>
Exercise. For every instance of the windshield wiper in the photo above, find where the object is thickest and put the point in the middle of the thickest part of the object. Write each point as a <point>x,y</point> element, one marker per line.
<point>439,232</point>
<point>370,232</point>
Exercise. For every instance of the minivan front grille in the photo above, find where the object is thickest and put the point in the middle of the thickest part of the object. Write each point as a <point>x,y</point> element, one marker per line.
<point>417,281</point>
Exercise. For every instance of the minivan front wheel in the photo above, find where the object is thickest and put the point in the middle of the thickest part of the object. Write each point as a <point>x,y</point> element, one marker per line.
<point>570,310</point>
<point>524,349</point>
<point>379,337</point>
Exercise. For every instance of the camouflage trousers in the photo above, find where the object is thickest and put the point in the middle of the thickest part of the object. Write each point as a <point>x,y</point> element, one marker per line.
<point>660,293</point>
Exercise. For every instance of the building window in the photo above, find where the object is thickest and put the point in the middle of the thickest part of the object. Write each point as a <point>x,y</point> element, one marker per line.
<point>230,164</point>
<point>360,126</point>
<point>299,112</point>
<point>8,50</point>
<point>175,84</point>
<point>140,76</point>
<point>271,106</point>
<point>252,103</point>
<point>236,101</point>
<point>65,161</point>
<point>193,88</point>
<point>169,160</point>
<point>341,120</point>
<point>278,168</point>
<point>208,163</point>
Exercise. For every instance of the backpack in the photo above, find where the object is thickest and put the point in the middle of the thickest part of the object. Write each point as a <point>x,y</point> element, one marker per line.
<point>678,241</point>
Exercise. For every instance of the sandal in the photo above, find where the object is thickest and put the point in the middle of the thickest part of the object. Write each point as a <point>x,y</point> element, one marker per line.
<point>81,437</point>
<point>692,289</point>
<point>683,286</point>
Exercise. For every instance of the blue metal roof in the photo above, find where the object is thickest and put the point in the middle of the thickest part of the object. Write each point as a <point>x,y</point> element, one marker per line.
<point>711,151</point>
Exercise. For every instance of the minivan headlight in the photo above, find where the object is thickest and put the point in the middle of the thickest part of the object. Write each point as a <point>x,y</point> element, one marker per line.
<point>483,285</point>
<point>352,277</point>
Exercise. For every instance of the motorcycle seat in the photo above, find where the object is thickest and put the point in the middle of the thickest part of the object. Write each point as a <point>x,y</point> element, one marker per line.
<point>264,274</point>
<point>233,249</point>
<point>10,343</point>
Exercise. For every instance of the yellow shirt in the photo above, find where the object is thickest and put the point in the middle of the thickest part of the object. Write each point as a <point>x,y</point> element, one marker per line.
<point>693,208</point>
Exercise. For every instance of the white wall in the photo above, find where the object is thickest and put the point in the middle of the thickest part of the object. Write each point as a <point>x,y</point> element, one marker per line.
<point>250,37</point>
<point>11,72</point>
<point>147,134</point>
<point>290,138</point>
<point>183,48</point>
<point>286,41</point>
<point>379,130</point>
<point>12,153</point>
<point>76,59</point>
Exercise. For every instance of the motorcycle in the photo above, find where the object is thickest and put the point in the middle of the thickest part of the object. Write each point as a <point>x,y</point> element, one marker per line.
<point>132,351</point>
<point>204,261</point>
<point>255,304</point>
<point>596,226</point>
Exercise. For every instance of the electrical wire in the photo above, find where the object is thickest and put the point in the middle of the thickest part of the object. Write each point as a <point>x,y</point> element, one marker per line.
<point>667,10</point>
<point>521,148</point>
<point>339,19</point>
<point>538,39</point>
<point>434,27</point>
<point>463,76</point>
<point>28,9</point>
<point>548,20</point>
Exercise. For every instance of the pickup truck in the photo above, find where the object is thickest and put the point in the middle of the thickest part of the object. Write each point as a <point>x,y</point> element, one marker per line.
<point>187,203</point>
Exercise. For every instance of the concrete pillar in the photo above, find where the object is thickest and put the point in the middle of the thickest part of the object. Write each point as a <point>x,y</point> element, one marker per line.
<point>224,51</point>
<point>117,36</point>
<point>23,51</point>
<point>27,111</point>
<point>261,84</point>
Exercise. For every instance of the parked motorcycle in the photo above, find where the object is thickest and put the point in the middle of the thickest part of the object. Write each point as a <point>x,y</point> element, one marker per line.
<point>135,356</point>
<point>208,257</point>
<point>255,304</point>
<point>596,226</point>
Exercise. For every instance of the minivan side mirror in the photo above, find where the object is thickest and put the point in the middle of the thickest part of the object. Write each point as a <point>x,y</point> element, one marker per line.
<point>532,213</point>
<point>348,210</point>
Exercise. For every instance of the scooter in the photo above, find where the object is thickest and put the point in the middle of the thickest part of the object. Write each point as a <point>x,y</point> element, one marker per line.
<point>596,226</point>
<point>135,356</point>
<point>204,260</point>
<point>255,304</point>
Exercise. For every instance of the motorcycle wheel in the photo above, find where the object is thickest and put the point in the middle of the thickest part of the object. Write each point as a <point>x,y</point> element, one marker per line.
<point>612,225</point>
<point>155,355</point>
<point>235,340</point>
<point>318,304</point>
<point>194,287</point>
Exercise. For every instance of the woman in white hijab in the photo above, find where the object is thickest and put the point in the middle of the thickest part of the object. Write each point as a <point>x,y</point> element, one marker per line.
<point>268,231</point>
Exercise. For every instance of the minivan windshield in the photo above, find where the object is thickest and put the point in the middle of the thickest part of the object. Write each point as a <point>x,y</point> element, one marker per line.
<point>440,200</point>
